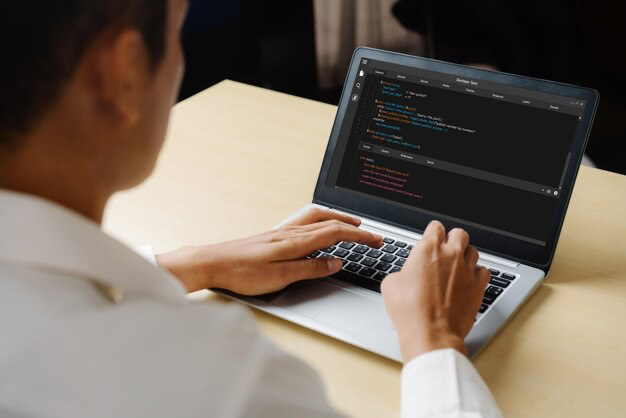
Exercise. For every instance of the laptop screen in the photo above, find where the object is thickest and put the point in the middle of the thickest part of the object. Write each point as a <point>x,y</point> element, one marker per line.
<point>478,153</point>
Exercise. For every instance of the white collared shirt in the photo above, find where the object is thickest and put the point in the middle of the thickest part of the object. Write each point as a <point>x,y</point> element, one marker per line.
<point>88,328</point>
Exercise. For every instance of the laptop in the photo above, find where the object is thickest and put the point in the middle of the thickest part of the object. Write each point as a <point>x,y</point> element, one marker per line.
<point>416,140</point>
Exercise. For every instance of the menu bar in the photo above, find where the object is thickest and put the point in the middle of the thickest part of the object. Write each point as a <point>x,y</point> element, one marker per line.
<point>480,88</point>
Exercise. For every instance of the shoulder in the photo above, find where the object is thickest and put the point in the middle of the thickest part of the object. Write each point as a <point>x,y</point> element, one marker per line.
<point>143,355</point>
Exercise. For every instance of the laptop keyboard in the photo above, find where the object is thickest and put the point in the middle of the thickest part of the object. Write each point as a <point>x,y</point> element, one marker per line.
<point>367,267</point>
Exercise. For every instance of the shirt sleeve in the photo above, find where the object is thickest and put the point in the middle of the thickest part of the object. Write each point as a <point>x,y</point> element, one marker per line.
<point>252,377</point>
<point>445,384</point>
<point>147,252</point>
<point>287,387</point>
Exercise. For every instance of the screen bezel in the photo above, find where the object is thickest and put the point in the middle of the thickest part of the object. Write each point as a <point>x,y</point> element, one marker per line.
<point>489,242</point>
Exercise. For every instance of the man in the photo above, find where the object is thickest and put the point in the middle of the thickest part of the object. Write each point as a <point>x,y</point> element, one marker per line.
<point>91,329</point>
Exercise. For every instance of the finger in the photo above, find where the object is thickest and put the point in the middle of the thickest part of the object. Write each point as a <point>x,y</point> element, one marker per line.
<point>320,225</point>
<point>319,215</point>
<point>458,240</point>
<point>332,234</point>
<point>435,231</point>
<point>471,256</point>
<point>483,275</point>
<point>332,224</point>
<point>309,268</point>
<point>342,232</point>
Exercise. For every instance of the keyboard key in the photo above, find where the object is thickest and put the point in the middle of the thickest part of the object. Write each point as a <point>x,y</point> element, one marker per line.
<point>329,249</point>
<point>382,266</point>
<point>389,249</point>
<point>401,244</point>
<point>388,258</point>
<point>489,298</point>
<point>354,257</point>
<point>380,276</point>
<point>353,267</point>
<point>394,269</point>
<point>410,247</point>
<point>508,276</point>
<point>369,262</point>
<point>387,240</point>
<point>340,252</point>
<point>403,253</point>
<point>367,271</point>
<point>494,272</point>
<point>483,308</point>
<point>493,290</point>
<point>347,245</point>
<point>314,254</point>
<point>361,249</point>
<point>400,262</point>
<point>374,253</point>
<point>344,262</point>
<point>499,282</point>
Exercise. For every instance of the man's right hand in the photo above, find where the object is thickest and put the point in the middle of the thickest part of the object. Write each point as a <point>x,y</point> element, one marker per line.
<point>434,299</point>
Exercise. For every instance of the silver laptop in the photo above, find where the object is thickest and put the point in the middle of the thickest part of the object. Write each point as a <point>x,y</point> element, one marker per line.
<point>415,140</point>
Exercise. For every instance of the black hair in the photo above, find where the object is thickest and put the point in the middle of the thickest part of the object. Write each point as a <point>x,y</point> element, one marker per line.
<point>43,41</point>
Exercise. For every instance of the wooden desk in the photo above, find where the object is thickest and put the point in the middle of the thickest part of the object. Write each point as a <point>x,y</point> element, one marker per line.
<point>238,159</point>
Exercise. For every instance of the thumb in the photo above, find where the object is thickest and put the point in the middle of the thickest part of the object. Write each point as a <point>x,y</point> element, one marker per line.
<point>311,268</point>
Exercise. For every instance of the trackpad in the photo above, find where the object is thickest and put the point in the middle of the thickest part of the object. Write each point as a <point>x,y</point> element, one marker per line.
<point>335,306</point>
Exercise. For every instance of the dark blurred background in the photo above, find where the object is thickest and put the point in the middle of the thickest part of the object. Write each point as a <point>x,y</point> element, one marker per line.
<point>304,47</point>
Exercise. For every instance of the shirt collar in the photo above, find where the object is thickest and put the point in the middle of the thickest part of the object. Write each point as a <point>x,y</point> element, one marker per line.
<point>41,234</point>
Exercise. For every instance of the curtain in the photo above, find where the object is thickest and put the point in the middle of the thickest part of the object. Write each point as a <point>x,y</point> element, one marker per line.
<point>342,25</point>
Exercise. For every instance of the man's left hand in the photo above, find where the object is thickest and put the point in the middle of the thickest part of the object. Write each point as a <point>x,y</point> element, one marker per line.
<point>270,261</point>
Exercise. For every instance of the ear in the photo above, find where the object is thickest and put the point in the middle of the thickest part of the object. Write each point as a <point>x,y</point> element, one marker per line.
<point>122,68</point>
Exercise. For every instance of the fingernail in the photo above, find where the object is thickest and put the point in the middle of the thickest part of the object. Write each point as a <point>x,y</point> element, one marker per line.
<point>334,264</point>
<point>357,220</point>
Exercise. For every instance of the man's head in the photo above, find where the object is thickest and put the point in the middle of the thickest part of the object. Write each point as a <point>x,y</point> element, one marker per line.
<point>86,86</point>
